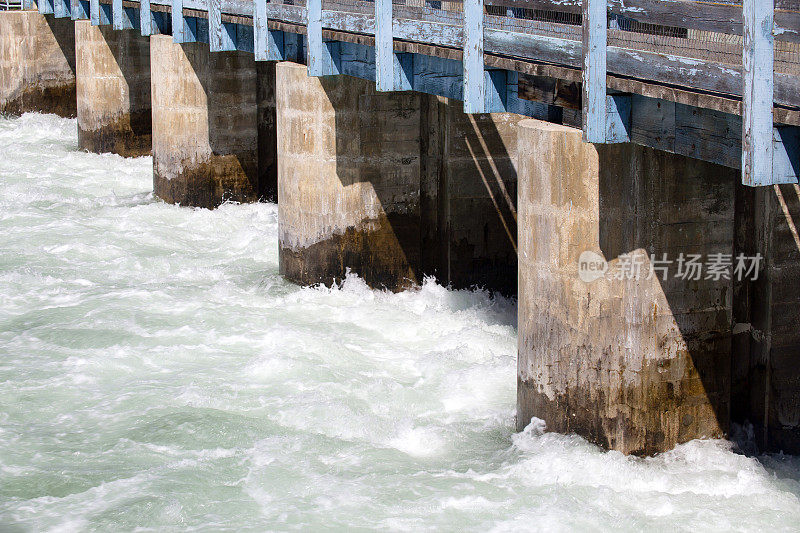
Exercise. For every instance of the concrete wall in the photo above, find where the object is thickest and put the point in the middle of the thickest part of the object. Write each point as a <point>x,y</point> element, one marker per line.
<point>113,90</point>
<point>766,358</point>
<point>37,64</point>
<point>267,131</point>
<point>393,186</point>
<point>206,124</point>
<point>480,179</point>
<point>636,365</point>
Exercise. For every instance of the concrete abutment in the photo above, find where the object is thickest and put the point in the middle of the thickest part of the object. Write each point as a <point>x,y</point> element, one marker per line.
<point>37,64</point>
<point>113,90</point>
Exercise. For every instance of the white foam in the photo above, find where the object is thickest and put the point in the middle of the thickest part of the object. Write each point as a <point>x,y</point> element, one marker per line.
<point>157,373</point>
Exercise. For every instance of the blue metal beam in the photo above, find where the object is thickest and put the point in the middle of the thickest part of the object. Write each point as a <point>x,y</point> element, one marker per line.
<point>221,37</point>
<point>80,9</point>
<point>786,155</point>
<point>46,7</point>
<point>618,118</point>
<point>245,39</point>
<point>62,8</point>
<point>758,67</point>
<point>125,18</point>
<point>515,104</point>
<point>438,76</point>
<point>294,46</point>
<point>595,41</point>
<point>187,29</point>
<point>357,60</point>
<point>403,71</point>
<point>154,22</point>
<point>323,57</point>
<point>495,92</point>
<point>475,80</point>
<point>106,16</point>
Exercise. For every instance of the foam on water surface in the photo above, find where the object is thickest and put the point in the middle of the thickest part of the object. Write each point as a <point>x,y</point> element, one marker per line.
<point>157,373</point>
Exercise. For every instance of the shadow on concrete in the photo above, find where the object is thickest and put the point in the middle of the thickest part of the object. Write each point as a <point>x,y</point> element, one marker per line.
<point>64,31</point>
<point>766,357</point>
<point>241,100</point>
<point>445,181</point>
<point>482,196</point>
<point>653,205</point>
<point>742,345</point>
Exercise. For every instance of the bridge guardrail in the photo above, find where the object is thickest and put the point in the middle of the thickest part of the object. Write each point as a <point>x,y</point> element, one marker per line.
<point>738,58</point>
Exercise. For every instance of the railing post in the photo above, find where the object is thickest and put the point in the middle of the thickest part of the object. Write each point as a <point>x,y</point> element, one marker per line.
<point>474,77</point>
<point>217,38</point>
<point>268,44</point>
<point>145,18</point>
<point>323,58</point>
<point>94,12</point>
<point>260,30</point>
<point>384,46</point>
<point>117,15</point>
<point>178,22</point>
<point>123,18</point>
<point>595,42</point>
<point>606,117</point>
<point>393,71</point>
<point>758,76</point>
<point>80,10</point>
<point>62,8</point>
<point>261,33</point>
<point>314,36</point>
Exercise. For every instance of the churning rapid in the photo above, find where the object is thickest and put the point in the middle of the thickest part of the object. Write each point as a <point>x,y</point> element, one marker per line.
<point>156,372</point>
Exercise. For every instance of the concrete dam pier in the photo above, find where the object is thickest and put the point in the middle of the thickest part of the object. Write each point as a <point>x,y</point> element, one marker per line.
<point>642,206</point>
<point>211,113</point>
<point>113,88</point>
<point>37,64</point>
<point>392,185</point>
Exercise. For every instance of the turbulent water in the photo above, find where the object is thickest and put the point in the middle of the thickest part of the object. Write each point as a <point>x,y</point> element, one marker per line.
<point>156,373</point>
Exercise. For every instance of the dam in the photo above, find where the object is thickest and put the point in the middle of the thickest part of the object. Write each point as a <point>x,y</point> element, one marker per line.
<point>627,170</point>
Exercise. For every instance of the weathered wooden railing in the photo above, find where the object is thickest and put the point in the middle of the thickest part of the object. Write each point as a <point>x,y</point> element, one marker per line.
<point>741,62</point>
<point>10,5</point>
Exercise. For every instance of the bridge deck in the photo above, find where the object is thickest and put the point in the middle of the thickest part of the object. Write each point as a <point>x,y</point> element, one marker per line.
<point>686,76</point>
